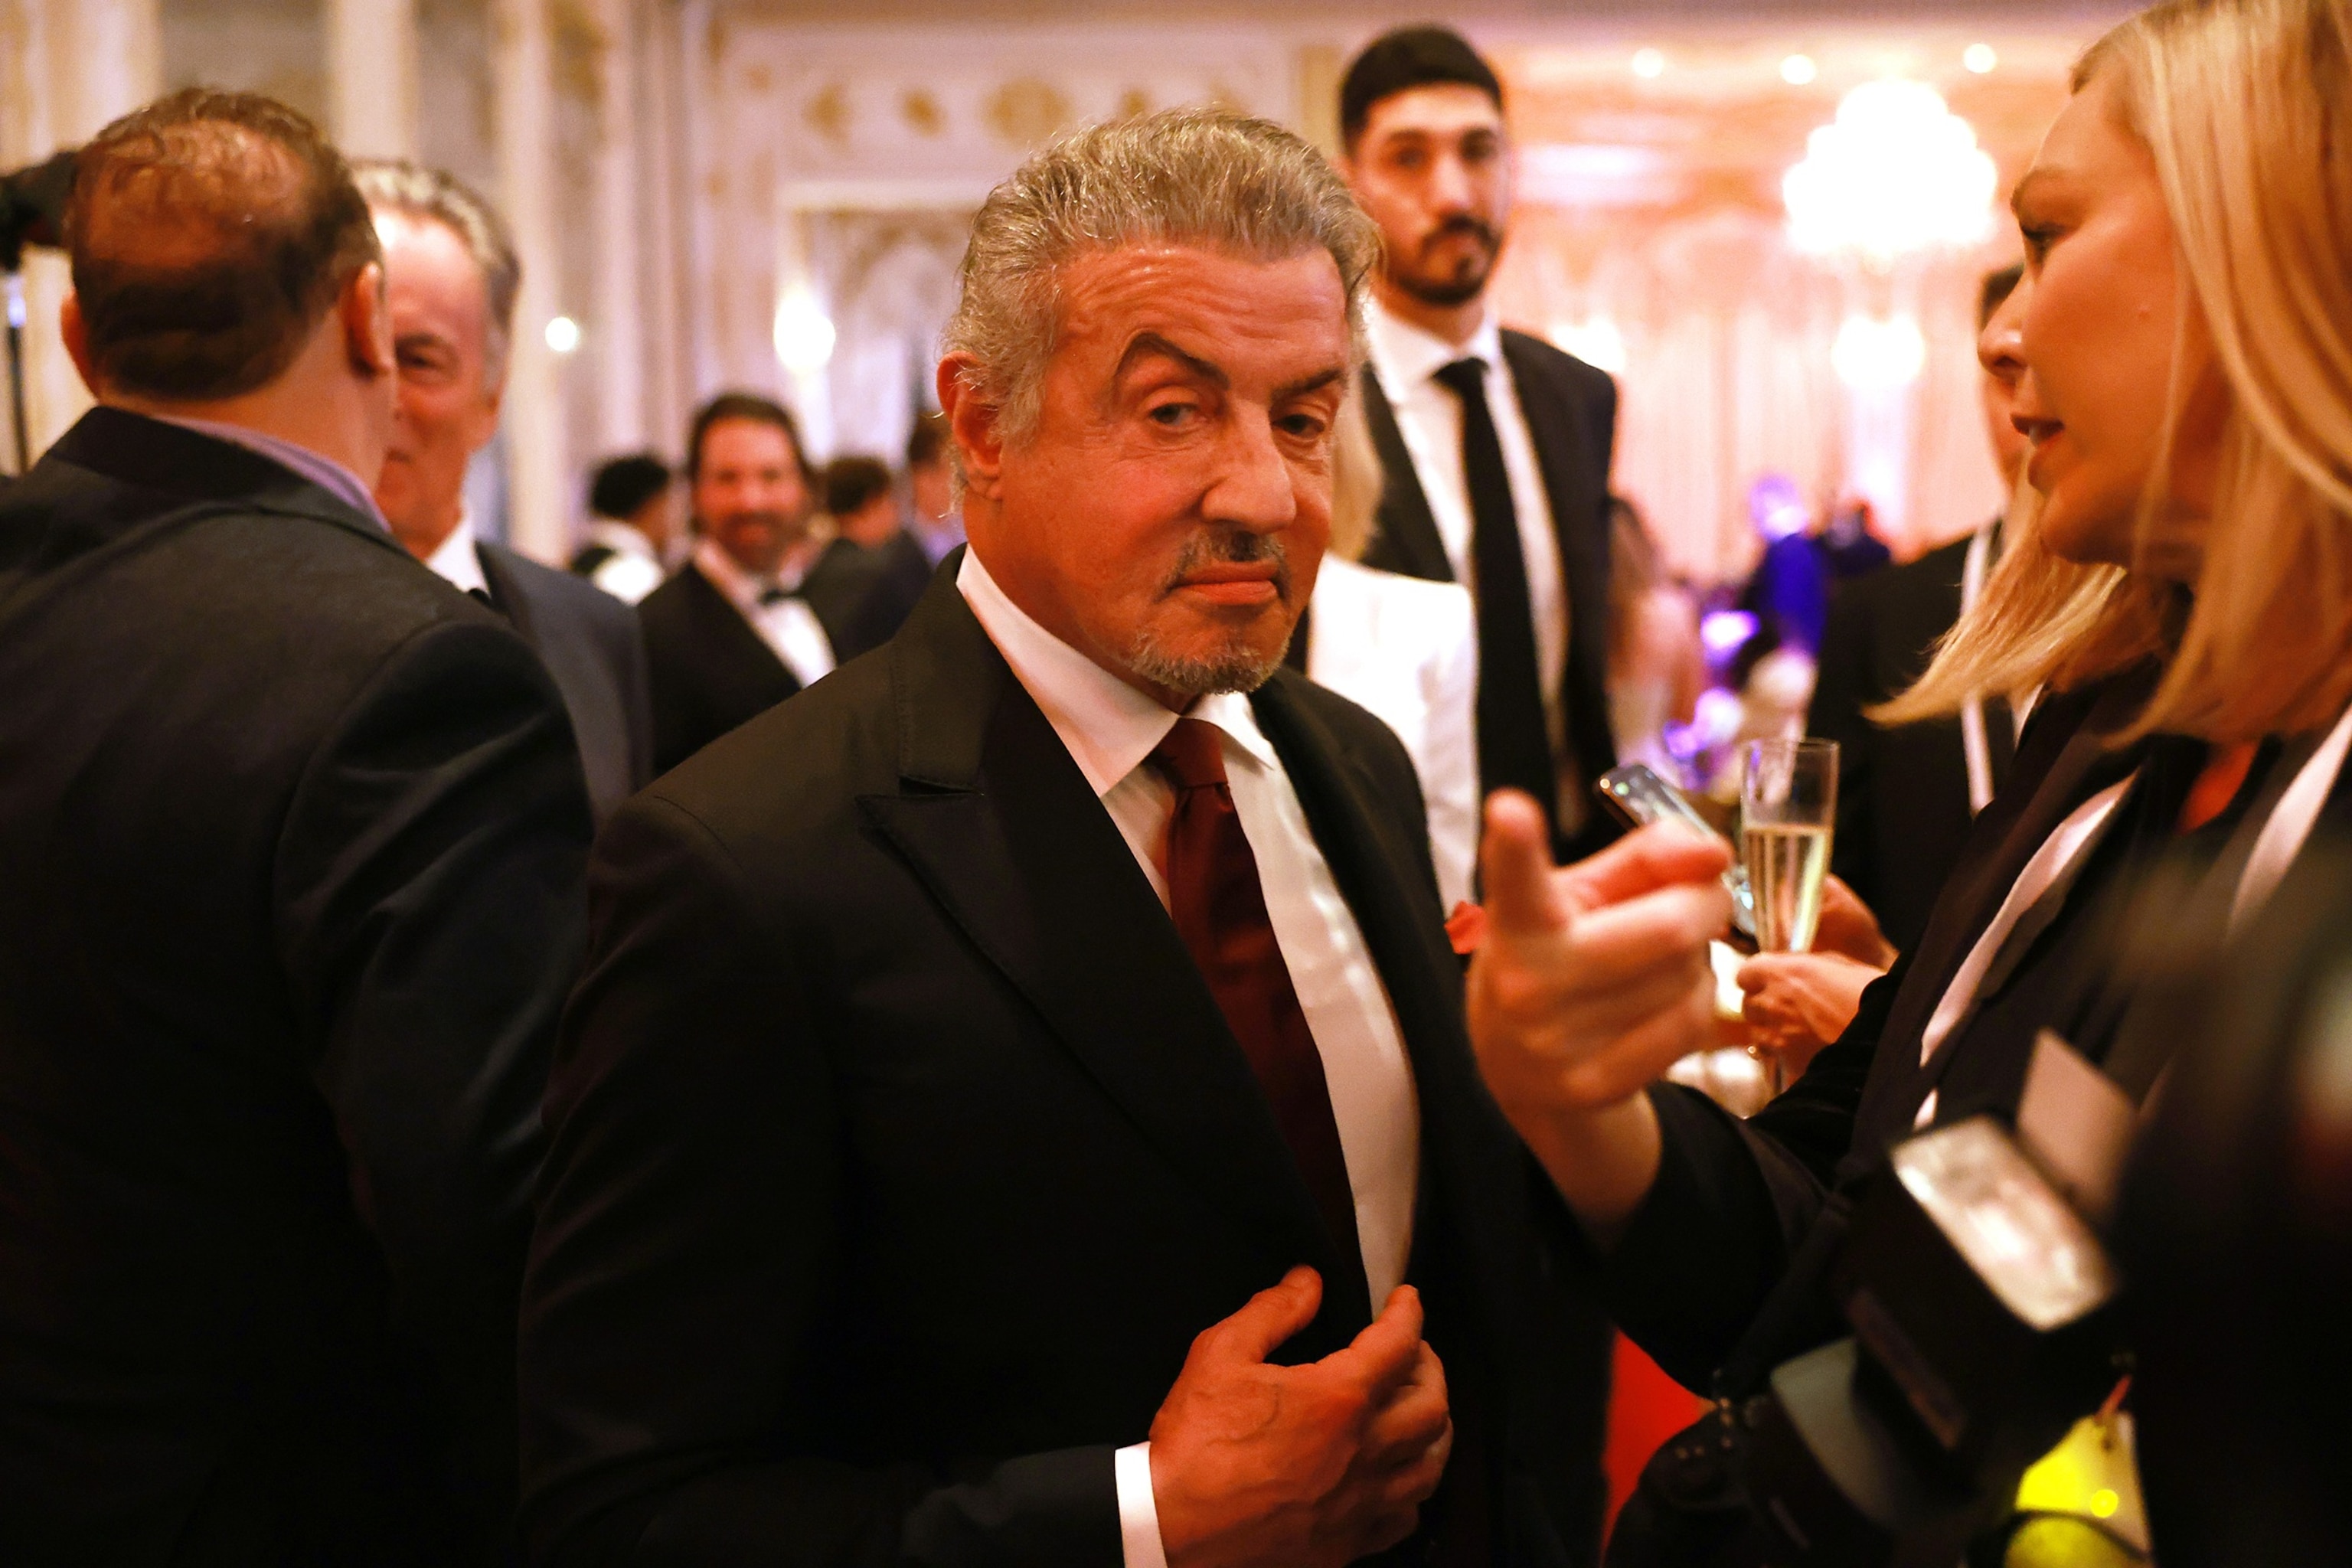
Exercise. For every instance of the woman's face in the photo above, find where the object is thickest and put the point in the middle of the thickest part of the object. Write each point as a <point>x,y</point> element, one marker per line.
<point>2095,325</point>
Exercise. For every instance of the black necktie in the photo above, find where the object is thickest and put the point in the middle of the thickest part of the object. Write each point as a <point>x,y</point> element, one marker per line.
<point>1514,749</point>
<point>773,595</point>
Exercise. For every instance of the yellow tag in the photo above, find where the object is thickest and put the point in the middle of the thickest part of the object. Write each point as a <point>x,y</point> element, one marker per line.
<point>2091,1475</point>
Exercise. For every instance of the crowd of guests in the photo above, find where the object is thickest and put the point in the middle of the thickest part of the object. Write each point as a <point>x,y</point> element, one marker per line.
<point>1074,1005</point>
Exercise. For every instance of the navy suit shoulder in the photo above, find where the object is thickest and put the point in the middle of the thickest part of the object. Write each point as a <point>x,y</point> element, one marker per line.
<point>593,645</point>
<point>318,813</point>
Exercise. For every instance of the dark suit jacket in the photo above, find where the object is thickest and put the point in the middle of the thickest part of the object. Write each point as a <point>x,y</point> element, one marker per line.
<point>900,1151</point>
<point>1902,793</point>
<point>902,570</point>
<point>711,671</point>
<point>590,643</point>
<point>1571,416</point>
<point>291,844</point>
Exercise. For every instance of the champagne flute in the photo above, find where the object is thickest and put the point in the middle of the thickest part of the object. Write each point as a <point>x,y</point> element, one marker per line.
<point>1788,811</point>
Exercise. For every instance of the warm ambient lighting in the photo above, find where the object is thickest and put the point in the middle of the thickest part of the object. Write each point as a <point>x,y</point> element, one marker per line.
<point>1595,340</point>
<point>1878,353</point>
<point>1979,58</point>
<point>803,334</point>
<point>1896,173</point>
<point>562,334</point>
<point>1798,70</point>
<point>1649,64</point>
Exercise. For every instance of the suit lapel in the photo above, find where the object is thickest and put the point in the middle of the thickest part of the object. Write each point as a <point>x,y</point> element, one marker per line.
<point>2005,838</point>
<point>734,640</point>
<point>1472,1178</point>
<point>1575,487</point>
<point>1405,538</point>
<point>999,824</point>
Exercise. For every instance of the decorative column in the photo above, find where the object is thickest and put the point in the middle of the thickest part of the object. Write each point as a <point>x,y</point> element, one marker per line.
<point>618,313</point>
<point>372,76</point>
<point>68,68</point>
<point>524,88</point>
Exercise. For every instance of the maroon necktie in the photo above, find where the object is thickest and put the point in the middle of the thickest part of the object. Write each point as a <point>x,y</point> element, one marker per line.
<point>1219,911</point>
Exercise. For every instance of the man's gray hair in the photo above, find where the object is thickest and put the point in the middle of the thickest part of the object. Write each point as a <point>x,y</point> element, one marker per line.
<point>1203,177</point>
<point>395,184</point>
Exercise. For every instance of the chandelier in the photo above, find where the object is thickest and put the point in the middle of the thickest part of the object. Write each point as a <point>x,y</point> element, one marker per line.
<point>1895,174</point>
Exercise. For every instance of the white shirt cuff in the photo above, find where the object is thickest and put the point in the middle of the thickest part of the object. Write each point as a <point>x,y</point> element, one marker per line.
<point>1139,1510</point>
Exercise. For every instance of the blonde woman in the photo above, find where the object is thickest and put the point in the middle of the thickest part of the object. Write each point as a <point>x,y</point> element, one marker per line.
<point>2179,588</point>
<point>1403,648</point>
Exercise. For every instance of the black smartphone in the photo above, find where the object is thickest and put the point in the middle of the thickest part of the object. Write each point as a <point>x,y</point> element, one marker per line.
<point>1638,796</point>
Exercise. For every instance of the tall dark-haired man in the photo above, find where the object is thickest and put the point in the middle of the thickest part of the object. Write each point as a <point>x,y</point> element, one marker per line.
<point>291,837</point>
<point>764,609</point>
<point>451,275</point>
<point>1496,445</point>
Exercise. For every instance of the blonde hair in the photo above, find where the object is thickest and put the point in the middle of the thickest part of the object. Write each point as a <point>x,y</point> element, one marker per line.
<point>2243,105</point>
<point>1206,177</point>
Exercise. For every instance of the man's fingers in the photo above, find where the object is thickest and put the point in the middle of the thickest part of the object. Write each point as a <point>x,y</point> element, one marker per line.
<point>1384,1354</point>
<point>1637,1058</point>
<point>1415,1416</point>
<point>1659,856</point>
<point>1610,972</point>
<point>1514,863</point>
<point>1267,1320</point>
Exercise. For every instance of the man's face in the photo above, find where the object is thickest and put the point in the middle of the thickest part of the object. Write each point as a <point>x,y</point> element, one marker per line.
<point>1432,168</point>
<point>749,496</point>
<point>1997,353</point>
<point>446,407</point>
<point>1168,514</point>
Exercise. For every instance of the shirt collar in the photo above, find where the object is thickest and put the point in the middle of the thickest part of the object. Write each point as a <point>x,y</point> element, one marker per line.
<point>456,562</point>
<point>316,467</point>
<point>621,538</point>
<point>1107,725</point>
<point>1405,355</point>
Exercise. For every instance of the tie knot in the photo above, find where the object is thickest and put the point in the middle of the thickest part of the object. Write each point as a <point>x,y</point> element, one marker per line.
<point>1193,754</point>
<point>1464,377</point>
<point>776,594</point>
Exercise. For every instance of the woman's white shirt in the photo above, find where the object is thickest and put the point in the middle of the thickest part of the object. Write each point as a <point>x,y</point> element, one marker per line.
<point>1406,650</point>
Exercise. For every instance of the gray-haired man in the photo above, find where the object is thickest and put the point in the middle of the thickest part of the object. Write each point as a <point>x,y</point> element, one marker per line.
<point>1018,1109</point>
<point>450,279</point>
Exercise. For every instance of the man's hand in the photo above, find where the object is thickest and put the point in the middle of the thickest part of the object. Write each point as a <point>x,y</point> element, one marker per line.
<point>1799,1002</point>
<point>1298,1467</point>
<point>1591,981</point>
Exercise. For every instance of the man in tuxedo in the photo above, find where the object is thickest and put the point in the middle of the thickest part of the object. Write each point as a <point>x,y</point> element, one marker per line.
<point>763,609</point>
<point>1018,1108</point>
<point>451,276</point>
<point>1496,445</point>
<point>291,844</point>
<point>631,520</point>
<point>1906,795</point>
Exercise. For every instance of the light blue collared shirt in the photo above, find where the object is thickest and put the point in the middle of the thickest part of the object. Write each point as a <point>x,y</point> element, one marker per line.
<point>321,470</point>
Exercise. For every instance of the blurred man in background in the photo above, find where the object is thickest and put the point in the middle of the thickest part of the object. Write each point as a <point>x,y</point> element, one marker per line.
<point>1496,445</point>
<point>450,278</point>
<point>764,609</point>
<point>857,496</point>
<point>632,527</point>
<point>865,509</point>
<point>291,841</point>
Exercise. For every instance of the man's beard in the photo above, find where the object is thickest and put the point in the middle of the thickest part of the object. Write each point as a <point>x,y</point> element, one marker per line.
<point>1461,288</point>
<point>1236,667</point>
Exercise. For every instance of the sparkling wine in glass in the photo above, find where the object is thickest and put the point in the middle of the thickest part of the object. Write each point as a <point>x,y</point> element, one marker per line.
<point>1788,811</point>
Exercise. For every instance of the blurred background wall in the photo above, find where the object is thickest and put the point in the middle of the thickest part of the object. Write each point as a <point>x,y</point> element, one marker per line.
<point>725,193</point>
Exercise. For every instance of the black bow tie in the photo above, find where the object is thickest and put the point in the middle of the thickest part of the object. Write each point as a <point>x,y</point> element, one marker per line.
<point>775,596</point>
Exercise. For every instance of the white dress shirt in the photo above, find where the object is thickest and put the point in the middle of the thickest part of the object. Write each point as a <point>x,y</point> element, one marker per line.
<point>1407,651</point>
<point>456,562</point>
<point>1111,729</point>
<point>788,627</point>
<point>1429,418</point>
<point>634,567</point>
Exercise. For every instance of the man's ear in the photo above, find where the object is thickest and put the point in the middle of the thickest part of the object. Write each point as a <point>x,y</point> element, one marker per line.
<point>367,323</point>
<point>973,422</point>
<point>75,333</point>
